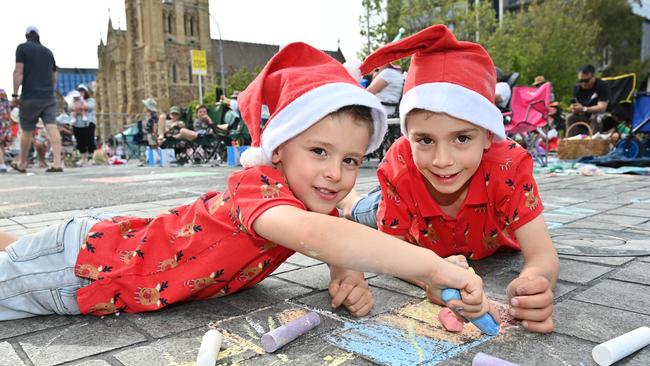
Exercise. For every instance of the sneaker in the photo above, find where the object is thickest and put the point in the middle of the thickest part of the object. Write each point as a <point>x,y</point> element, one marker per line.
<point>3,168</point>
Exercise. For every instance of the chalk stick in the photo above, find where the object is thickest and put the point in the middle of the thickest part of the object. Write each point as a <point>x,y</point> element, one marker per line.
<point>620,347</point>
<point>280,336</point>
<point>482,359</point>
<point>485,322</point>
<point>449,320</point>
<point>210,346</point>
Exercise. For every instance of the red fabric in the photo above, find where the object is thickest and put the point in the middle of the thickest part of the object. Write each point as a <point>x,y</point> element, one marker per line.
<point>530,107</point>
<point>439,57</point>
<point>293,71</point>
<point>502,197</point>
<point>203,250</point>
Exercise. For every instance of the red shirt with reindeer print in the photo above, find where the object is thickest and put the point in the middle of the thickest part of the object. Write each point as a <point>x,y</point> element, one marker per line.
<point>202,250</point>
<point>502,196</point>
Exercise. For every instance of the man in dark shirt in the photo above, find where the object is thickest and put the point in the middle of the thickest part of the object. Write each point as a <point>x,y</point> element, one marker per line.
<point>590,100</point>
<point>36,72</point>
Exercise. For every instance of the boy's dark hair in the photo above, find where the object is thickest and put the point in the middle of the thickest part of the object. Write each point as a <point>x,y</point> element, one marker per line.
<point>587,69</point>
<point>358,113</point>
<point>201,106</point>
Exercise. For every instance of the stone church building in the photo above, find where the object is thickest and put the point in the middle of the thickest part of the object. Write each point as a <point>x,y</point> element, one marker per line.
<point>151,59</point>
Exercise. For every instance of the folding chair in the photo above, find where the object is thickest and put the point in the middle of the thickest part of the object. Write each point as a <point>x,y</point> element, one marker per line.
<point>530,115</point>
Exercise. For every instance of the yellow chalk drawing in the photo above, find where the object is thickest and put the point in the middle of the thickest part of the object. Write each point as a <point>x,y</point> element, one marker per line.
<point>339,359</point>
<point>433,331</point>
<point>414,340</point>
<point>171,361</point>
<point>282,359</point>
<point>290,314</point>
<point>242,342</point>
<point>231,351</point>
<point>271,323</point>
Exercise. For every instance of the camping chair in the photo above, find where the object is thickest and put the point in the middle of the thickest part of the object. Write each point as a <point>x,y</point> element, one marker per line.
<point>530,114</point>
<point>621,92</point>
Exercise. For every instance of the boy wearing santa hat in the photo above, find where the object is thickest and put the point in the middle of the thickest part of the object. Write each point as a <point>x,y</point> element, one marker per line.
<point>302,163</point>
<point>453,183</point>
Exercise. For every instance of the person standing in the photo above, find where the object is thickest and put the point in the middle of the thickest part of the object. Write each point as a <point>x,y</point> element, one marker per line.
<point>84,125</point>
<point>36,71</point>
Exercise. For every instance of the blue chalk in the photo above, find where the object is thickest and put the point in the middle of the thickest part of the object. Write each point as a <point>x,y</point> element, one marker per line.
<point>485,322</point>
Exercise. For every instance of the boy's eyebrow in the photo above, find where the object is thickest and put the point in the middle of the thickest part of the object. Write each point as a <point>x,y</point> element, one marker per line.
<point>329,146</point>
<point>458,132</point>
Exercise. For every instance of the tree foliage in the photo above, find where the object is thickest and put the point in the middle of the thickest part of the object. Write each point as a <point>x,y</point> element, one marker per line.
<point>551,38</point>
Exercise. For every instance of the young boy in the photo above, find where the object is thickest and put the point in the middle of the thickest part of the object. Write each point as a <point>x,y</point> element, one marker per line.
<point>453,183</point>
<point>304,161</point>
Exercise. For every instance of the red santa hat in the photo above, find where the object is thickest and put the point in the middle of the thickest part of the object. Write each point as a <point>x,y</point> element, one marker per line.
<point>300,85</point>
<point>446,75</point>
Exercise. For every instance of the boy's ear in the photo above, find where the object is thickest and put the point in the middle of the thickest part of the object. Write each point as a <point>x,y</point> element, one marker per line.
<point>488,140</point>
<point>275,157</point>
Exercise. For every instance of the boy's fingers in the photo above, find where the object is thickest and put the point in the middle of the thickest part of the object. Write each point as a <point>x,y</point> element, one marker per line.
<point>539,327</point>
<point>364,310</point>
<point>361,302</point>
<point>523,286</point>
<point>536,315</point>
<point>354,296</point>
<point>337,295</point>
<point>537,301</point>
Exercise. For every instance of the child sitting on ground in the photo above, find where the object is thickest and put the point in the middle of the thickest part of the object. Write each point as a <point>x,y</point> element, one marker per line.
<point>453,183</point>
<point>285,201</point>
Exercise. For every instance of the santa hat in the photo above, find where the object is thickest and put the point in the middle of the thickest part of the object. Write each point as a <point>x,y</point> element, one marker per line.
<point>300,85</point>
<point>446,76</point>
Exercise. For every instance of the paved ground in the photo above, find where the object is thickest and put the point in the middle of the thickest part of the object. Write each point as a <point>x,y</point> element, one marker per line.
<point>604,287</point>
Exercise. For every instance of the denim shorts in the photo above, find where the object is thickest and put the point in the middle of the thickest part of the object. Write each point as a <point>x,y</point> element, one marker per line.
<point>365,209</point>
<point>37,271</point>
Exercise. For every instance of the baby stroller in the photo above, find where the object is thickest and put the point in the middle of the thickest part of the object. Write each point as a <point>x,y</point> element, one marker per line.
<point>531,110</point>
<point>637,142</point>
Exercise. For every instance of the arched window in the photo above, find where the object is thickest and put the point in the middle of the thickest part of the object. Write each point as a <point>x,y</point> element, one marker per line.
<point>169,23</point>
<point>173,73</point>
<point>189,73</point>
<point>192,26</point>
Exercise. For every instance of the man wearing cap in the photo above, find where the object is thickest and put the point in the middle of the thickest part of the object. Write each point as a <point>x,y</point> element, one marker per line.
<point>36,72</point>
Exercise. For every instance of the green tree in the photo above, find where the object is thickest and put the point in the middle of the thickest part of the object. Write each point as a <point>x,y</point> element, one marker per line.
<point>619,37</point>
<point>552,38</point>
<point>373,26</point>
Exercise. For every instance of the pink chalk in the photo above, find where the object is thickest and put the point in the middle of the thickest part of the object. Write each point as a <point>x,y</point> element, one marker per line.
<point>278,337</point>
<point>449,320</point>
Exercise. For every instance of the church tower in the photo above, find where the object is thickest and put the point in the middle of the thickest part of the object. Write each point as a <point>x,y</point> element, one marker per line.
<point>151,59</point>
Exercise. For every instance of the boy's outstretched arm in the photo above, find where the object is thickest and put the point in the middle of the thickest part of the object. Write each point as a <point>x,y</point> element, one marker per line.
<point>349,288</point>
<point>350,245</point>
<point>531,294</point>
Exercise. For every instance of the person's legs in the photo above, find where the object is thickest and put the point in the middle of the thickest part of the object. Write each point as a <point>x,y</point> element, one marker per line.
<point>362,209</point>
<point>55,143</point>
<point>91,139</point>
<point>25,142</point>
<point>41,149</point>
<point>6,239</point>
<point>37,271</point>
<point>186,134</point>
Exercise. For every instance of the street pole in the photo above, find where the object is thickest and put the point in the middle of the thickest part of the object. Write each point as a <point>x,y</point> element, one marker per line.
<point>200,90</point>
<point>223,79</point>
<point>500,13</point>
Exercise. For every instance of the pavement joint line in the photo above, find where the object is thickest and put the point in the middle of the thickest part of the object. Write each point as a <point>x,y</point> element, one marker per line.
<point>609,307</point>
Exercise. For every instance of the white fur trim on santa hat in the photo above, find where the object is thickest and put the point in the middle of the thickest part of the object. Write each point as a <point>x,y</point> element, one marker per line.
<point>315,104</point>
<point>456,101</point>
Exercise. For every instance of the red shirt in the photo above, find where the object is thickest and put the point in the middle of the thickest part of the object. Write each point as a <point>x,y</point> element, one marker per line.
<point>502,196</point>
<point>203,250</point>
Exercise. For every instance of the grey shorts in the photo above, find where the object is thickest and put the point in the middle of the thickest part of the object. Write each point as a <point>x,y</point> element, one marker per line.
<point>37,271</point>
<point>33,109</point>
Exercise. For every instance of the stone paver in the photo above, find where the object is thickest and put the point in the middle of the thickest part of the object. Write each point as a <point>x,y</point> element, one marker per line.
<point>599,295</point>
<point>8,356</point>
<point>638,272</point>
<point>619,295</point>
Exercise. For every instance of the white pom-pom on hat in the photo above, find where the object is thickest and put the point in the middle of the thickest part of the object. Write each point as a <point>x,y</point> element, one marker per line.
<point>352,66</point>
<point>252,157</point>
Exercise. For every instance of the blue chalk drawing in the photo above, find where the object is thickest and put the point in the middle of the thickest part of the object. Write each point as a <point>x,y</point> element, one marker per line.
<point>553,225</point>
<point>572,211</point>
<point>392,346</point>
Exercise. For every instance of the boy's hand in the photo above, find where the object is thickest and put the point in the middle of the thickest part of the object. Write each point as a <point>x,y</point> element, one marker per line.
<point>473,303</point>
<point>351,289</point>
<point>531,301</point>
<point>458,260</point>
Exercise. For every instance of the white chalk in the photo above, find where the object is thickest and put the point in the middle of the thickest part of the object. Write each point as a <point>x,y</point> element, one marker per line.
<point>615,349</point>
<point>210,346</point>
